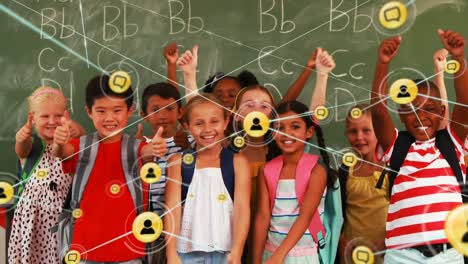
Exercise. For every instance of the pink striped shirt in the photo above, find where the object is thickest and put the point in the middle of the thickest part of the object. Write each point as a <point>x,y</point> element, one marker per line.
<point>424,192</point>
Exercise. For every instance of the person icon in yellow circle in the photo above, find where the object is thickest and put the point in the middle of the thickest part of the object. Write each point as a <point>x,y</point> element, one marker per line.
<point>256,125</point>
<point>147,228</point>
<point>403,92</point>
<point>150,174</point>
<point>2,193</point>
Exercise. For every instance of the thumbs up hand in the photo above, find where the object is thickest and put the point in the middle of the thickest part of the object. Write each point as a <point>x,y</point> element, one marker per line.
<point>453,42</point>
<point>158,144</point>
<point>188,61</point>
<point>62,133</point>
<point>139,133</point>
<point>25,132</point>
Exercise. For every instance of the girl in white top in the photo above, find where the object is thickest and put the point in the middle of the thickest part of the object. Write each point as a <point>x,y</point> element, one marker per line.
<point>210,228</point>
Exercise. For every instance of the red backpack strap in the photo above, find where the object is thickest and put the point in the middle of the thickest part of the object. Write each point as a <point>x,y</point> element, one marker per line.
<point>303,170</point>
<point>272,172</point>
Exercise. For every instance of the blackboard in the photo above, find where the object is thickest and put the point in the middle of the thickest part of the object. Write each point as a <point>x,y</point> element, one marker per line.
<point>233,35</point>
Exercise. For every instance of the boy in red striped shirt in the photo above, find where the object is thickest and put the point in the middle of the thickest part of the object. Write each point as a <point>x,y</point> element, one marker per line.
<point>425,188</point>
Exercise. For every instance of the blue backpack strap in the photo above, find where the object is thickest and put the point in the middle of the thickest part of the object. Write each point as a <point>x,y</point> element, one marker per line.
<point>227,170</point>
<point>187,172</point>
<point>445,144</point>
<point>400,151</point>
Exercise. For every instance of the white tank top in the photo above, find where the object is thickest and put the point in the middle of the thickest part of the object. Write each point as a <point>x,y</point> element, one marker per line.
<point>207,218</point>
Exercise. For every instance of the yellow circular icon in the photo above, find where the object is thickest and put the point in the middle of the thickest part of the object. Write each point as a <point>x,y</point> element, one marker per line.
<point>191,196</point>
<point>321,113</point>
<point>147,227</point>
<point>115,188</point>
<point>393,15</point>
<point>363,255</point>
<point>41,174</point>
<point>77,213</point>
<point>119,81</point>
<point>456,228</point>
<point>403,91</point>
<point>256,124</point>
<point>150,172</point>
<point>452,67</point>
<point>356,113</point>
<point>239,142</point>
<point>350,159</point>
<point>188,158</point>
<point>6,192</point>
<point>222,197</point>
<point>72,257</point>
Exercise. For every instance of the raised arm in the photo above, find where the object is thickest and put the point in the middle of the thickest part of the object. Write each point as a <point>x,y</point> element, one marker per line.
<point>324,65</point>
<point>455,44</point>
<point>173,219</point>
<point>188,64</point>
<point>440,59</point>
<point>241,207</point>
<point>171,53</point>
<point>381,119</point>
<point>296,88</point>
<point>23,138</point>
<point>313,195</point>
<point>262,219</point>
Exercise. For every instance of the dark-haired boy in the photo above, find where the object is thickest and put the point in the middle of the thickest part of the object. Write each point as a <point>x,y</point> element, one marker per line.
<point>107,193</point>
<point>427,186</point>
<point>162,107</point>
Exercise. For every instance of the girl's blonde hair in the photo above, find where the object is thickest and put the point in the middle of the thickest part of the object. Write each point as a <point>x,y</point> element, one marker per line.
<point>46,93</point>
<point>201,99</point>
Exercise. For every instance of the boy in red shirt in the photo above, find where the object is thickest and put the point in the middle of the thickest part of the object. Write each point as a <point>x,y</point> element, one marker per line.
<point>108,197</point>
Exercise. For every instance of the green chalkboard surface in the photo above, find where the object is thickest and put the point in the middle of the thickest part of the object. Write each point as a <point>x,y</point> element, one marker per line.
<point>63,43</point>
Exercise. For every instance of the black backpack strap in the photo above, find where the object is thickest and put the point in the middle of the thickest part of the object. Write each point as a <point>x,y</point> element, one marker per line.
<point>447,148</point>
<point>227,170</point>
<point>343,172</point>
<point>400,150</point>
<point>187,170</point>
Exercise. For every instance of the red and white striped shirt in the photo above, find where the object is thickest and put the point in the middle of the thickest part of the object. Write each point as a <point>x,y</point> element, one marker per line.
<point>423,193</point>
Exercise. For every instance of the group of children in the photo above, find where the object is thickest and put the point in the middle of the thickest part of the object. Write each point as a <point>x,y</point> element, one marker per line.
<point>262,203</point>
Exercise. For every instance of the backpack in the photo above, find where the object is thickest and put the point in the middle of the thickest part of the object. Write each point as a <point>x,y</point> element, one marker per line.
<point>227,170</point>
<point>87,156</point>
<point>401,147</point>
<point>24,172</point>
<point>325,231</point>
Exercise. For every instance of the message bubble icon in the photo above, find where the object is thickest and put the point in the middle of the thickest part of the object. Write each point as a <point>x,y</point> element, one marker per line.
<point>452,67</point>
<point>119,82</point>
<point>363,255</point>
<point>393,15</point>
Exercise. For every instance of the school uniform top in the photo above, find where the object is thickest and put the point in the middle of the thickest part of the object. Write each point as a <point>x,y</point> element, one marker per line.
<point>424,192</point>
<point>107,216</point>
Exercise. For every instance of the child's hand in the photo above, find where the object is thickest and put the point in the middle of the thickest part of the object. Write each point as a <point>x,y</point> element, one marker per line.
<point>453,42</point>
<point>233,259</point>
<point>389,49</point>
<point>139,133</point>
<point>440,59</point>
<point>188,61</point>
<point>180,139</point>
<point>324,62</point>
<point>158,144</point>
<point>62,133</point>
<point>171,53</point>
<point>311,61</point>
<point>26,131</point>
<point>75,129</point>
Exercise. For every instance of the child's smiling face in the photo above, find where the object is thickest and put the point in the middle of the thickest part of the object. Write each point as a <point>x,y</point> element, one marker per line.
<point>207,123</point>
<point>163,113</point>
<point>46,118</point>
<point>360,134</point>
<point>423,121</point>
<point>109,115</point>
<point>226,90</point>
<point>296,133</point>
